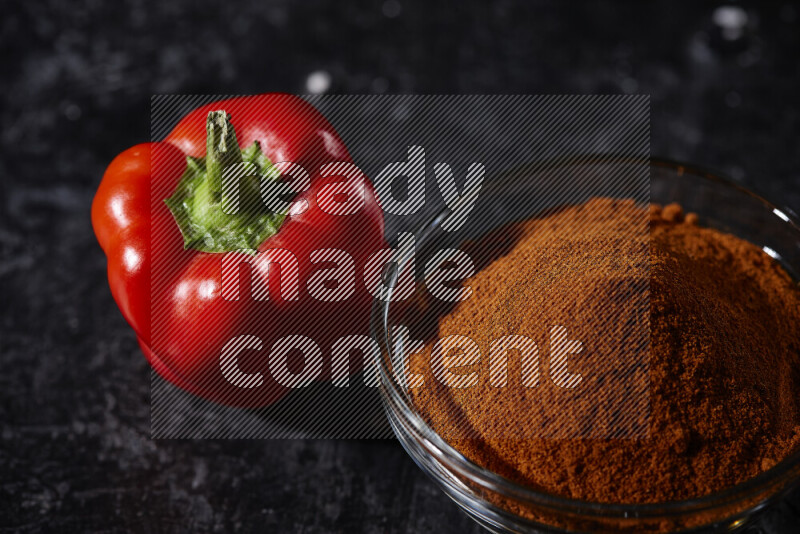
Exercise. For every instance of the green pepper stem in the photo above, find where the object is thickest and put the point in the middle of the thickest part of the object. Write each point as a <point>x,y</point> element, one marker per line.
<point>198,205</point>
<point>222,148</point>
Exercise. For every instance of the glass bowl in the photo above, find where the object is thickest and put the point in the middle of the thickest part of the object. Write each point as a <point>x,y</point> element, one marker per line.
<point>501,505</point>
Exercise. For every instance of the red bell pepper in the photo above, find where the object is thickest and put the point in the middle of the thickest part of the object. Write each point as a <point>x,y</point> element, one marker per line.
<point>158,216</point>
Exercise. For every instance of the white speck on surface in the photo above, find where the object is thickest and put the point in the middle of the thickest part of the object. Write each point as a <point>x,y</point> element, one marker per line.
<point>72,112</point>
<point>629,85</point>
<point>392,9</point>
<point>380,85</point>
<point>318,82</point>
<point>699,50</point>
<point>732,20</point>
<point>736,173</point>
<point>200,474</point>
<point>732,99</point>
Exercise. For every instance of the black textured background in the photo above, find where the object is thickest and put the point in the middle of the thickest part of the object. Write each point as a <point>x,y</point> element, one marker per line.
<point>76,81</point>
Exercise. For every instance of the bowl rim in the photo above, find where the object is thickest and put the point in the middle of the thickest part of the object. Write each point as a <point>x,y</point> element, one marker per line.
<point>784,473</point>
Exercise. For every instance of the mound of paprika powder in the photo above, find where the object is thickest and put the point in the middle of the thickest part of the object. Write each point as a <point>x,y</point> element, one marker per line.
<point>723,376</point>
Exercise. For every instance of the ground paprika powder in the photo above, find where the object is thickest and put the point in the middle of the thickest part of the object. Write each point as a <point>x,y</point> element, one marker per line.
<point>722,373</point>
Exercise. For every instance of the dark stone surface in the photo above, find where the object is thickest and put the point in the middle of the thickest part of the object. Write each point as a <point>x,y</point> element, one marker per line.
<point>75,453</point>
